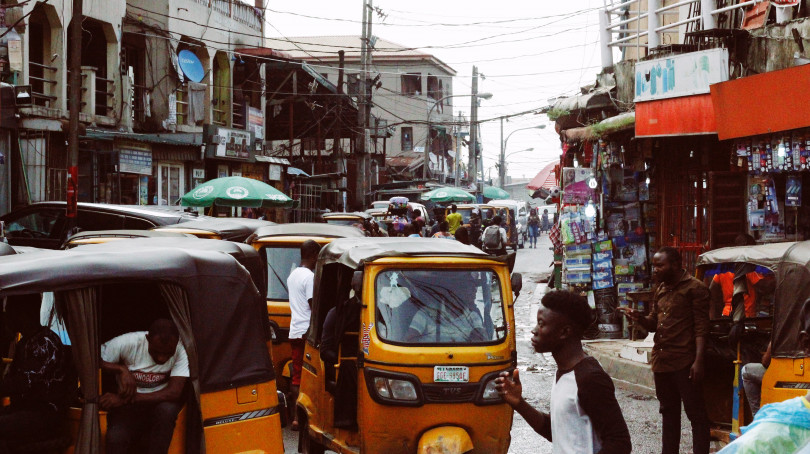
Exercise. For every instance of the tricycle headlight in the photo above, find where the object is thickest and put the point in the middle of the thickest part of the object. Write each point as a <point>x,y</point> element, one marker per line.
<point>402,389</point>
<point>381,386</point>
<point>490,393</point>
<point>391,388</point>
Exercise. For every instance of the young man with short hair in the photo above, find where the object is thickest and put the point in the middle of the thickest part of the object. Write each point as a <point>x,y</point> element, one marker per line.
<point>300,284</point>
<point>453,219</point>
<point>585,417</point>
<point>152,369</point>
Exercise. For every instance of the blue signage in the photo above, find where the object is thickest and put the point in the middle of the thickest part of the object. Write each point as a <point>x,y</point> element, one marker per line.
<point>190,65</point>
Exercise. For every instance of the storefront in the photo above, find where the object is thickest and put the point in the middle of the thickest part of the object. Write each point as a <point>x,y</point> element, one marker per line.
<point>765,120</point>
<point>226,151</point>
<point>605,221</point>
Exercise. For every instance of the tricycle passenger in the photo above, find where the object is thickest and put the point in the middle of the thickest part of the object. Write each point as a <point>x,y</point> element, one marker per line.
<point>38,381</point>
<point>450,316</point>
<point>151,369</point>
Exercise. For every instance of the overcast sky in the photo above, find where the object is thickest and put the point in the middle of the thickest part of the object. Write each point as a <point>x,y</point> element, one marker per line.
<point>528,53</point>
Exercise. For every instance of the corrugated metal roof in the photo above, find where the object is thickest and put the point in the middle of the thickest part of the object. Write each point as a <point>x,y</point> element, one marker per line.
<point>167,139</point>
<point>325,48</point>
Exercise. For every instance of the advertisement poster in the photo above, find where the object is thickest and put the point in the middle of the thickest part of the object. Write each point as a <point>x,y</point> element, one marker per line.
<point>793,193</point>
<point>578,185</point>
<point>233,144</point>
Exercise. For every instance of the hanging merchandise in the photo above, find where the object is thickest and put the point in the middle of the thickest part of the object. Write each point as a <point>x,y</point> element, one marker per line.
<point>793,192</point>
<point>578,185</point>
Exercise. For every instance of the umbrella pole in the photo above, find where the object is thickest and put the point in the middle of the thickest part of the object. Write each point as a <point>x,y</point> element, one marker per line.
<point>211,211</point>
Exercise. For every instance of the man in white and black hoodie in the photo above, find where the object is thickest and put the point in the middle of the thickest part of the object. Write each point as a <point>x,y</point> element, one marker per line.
<point>583,399</point>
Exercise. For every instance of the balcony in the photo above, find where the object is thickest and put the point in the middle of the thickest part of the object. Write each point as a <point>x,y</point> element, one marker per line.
<point>644,27</point>
<point>236,10</point>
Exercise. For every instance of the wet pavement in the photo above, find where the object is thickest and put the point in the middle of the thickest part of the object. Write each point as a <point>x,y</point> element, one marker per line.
<point>537,373</point>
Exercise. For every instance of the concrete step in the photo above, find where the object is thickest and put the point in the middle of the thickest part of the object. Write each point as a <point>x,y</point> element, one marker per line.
<point>608,352</point>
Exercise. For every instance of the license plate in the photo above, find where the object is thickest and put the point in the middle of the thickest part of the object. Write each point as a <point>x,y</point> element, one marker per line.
<point>451,374</point>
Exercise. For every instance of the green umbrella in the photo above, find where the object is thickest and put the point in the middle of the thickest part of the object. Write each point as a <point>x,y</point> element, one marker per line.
<point>448,194</point>
<point>236,192</point>
<point>495,193</point>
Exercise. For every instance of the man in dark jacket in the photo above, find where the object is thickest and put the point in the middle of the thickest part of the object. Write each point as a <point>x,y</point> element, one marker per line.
<point>680,319</point>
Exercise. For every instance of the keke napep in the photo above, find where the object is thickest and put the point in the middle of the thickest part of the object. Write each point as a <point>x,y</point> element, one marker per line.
<point>280,249</point>
<point>420,329</point>
<point>102,291</point>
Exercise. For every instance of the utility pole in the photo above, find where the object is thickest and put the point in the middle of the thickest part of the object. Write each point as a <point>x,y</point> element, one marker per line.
<point>474,131</point>
<point>364,108</point>
<point>502,160</point>
<point>75,67</point>
<point>458,151</point>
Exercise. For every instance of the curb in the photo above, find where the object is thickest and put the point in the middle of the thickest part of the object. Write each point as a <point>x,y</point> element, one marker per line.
<point>630,374</point>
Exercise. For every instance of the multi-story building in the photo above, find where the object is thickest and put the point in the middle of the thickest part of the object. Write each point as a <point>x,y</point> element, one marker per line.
<point>174,92</point>
<point>411,89</point>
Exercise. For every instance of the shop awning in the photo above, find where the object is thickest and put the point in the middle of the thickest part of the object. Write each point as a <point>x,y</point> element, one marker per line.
<point>272,160</point>
<point>683,116</point>
<point>180,139</point>
<point>621,122</point>
<point>544,179</point>
<point>761,104</point>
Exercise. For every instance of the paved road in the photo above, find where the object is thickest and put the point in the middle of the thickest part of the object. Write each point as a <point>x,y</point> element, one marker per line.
<point>537,372</point>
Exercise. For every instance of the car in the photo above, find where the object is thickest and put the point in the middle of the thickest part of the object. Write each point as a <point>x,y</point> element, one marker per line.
<point>44,225</point>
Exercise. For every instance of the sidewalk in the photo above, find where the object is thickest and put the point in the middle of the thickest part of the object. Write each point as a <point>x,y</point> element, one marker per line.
<point>635,374</point>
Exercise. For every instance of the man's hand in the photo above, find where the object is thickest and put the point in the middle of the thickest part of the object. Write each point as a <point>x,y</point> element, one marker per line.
<point>109,401</point>
<point>126,384</point>
<point>632,314</point>
<point>696,372</point>
<point>510,388</point>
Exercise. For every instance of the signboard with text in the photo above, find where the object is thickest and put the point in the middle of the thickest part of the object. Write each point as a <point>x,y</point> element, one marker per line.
<point>134,157</point>
<point>680,75</point>
<point>227,143</point>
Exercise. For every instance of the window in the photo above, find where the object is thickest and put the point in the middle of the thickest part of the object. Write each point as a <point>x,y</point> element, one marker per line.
<point>407,138</point>
<point>94,220</point>
<point>281,261</point>
<point>170,184</point>
<point>412,84</point>
<point>439,307</point>
<point>34,225</point>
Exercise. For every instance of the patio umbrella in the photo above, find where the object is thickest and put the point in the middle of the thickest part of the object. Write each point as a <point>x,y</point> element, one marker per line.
<point>236,192</point>
<point>495,193</point>
<point>448,194</point>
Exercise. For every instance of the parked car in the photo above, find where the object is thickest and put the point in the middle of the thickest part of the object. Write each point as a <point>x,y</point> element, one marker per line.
<point>44,225</point>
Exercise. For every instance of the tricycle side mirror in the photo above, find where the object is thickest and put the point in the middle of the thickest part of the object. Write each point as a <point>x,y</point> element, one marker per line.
<point>517,283</point>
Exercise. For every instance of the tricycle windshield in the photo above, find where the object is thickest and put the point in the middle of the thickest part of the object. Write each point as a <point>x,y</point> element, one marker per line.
<point>281,261</point>
<point>442,307</point>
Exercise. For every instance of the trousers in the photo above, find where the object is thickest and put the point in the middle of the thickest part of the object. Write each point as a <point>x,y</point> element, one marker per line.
<point>752,374</point>
<point>127,426</point>
<point>672,388</point>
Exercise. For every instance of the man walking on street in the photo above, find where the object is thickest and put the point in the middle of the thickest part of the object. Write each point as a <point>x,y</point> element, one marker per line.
<point>299,286</point>
<point>585,417</point>
<point>454,219</point>
<point>680,319</point>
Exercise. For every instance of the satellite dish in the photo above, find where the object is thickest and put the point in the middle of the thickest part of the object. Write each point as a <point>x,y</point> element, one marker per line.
<point>190,65</point>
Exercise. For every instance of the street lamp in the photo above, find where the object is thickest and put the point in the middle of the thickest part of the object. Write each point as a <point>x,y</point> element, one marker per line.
<point>502,170</point>
<point>427,141</point>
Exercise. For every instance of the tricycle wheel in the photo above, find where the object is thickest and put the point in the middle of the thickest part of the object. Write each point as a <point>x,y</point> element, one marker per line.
<point>307,444</point>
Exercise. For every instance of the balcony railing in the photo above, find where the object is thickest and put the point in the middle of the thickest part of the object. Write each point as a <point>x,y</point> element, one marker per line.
<point>42,79</point>
<point>642,24</point>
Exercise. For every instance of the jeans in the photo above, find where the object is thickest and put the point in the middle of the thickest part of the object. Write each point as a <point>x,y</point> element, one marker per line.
<point>127,426</point>
<point>752,374</point>
<point>533,232</point>
<point>672,388</point>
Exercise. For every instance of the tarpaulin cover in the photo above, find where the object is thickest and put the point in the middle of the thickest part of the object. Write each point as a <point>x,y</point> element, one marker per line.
<point>354,252</point>
<point>231,229</point>
<point>228,313</point>
<point>792,291</point>
<point>309,229</point>
<point>766,255</point>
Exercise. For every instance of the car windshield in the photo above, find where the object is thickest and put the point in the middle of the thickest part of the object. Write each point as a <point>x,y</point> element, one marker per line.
<point>281,261</point>
<point>449,307</point>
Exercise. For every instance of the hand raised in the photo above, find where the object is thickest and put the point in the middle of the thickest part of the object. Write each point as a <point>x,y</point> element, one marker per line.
<point>509,387</point>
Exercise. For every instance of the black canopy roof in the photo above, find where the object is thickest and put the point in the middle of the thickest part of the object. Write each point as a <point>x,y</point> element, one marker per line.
<point>228,314</point>
<point>792,292</point>
<point>354,252</point>
<point>231,229</point>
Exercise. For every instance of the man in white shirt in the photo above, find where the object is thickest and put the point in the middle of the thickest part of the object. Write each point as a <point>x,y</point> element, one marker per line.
<point>151,369</point>
<point>299,287</point>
